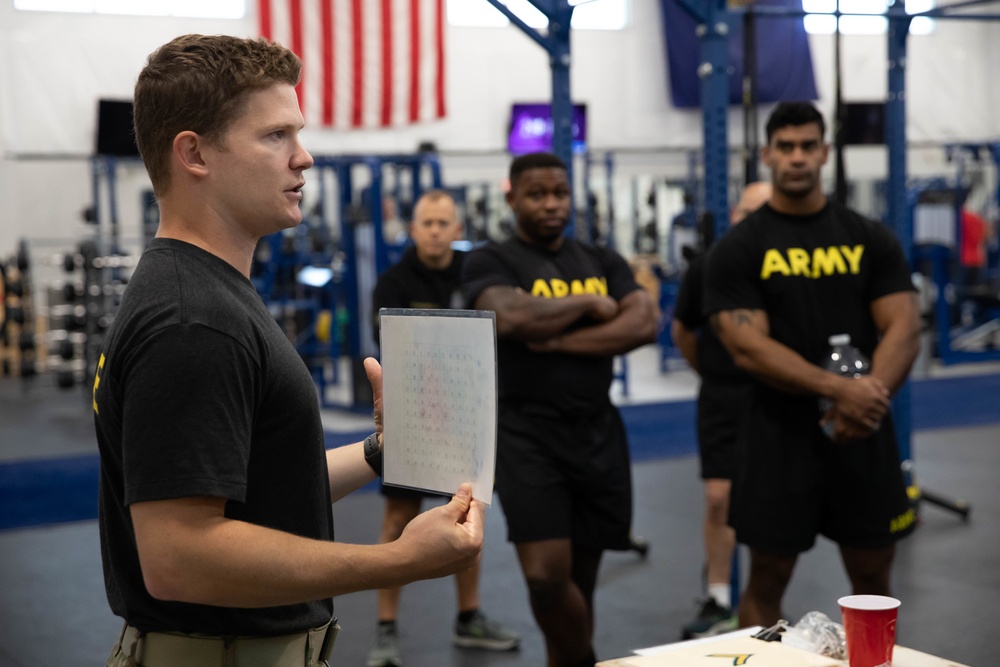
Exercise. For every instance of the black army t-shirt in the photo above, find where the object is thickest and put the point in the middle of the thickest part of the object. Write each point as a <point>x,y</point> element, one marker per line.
<point>566,382</point>
<point>714,362</point>
<point>815,276</point>
<point>199,392</point>
<point>410,284</point>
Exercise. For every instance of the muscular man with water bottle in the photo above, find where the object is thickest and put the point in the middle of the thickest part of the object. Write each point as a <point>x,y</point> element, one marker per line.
<point>797,271</point>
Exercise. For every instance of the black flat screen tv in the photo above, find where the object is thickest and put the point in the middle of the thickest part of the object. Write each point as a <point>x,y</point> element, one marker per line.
<point>530,128</point>
<point>864,123</point>
<point>115,134</point>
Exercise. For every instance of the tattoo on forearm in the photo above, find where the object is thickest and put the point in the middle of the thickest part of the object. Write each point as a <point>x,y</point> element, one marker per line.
<point>736,318</point>
<point>742,317</point>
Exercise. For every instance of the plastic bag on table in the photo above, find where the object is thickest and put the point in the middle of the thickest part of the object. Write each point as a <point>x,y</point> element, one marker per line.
<point>815,632</point>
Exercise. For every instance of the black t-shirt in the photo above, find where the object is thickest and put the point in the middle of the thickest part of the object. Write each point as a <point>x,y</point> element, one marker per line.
<point>410,284</point>
<point>814,275</point>
<point>199,392</point>
<point>714,362</point>
<point>564,382</point>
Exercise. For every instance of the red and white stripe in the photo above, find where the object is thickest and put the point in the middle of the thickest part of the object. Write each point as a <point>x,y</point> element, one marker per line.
<point>365,63</point>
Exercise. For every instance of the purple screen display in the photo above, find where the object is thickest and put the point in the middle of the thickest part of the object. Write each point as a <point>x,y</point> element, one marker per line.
<point>531,128</point>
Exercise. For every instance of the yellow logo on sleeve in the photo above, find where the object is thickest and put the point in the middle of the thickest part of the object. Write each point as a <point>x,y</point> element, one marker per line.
<point>97,381</point>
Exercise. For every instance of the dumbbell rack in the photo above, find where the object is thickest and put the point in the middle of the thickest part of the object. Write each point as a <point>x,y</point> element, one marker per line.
<point>17,331</point>
<point>63,337</point>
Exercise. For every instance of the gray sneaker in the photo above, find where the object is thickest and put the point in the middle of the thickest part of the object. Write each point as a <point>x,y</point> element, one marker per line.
<point>385,651</point>
<point>481,632</point>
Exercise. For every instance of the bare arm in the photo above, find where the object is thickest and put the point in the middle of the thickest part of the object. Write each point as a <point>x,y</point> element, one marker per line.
<point>746,336</point>
<point>745,333</point>
<point>686,341</point>
<point>632,326</point>
<point>897,317</point>
<point>346,466</point>
<point>190,552</point>
<point>525,317</point>
<point>347,469</point>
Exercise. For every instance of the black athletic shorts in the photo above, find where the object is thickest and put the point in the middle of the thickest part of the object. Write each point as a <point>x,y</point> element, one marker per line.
<point>721,404</point>
<point>561,476</point>
<point>793,484</point>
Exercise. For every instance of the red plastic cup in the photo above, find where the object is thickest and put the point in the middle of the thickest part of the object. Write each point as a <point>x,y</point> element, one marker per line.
<point>870,627</point>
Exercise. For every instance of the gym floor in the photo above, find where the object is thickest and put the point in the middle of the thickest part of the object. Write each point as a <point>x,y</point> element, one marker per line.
<point>53,609</point>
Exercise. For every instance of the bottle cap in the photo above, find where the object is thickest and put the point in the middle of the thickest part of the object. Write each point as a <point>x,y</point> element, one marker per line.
<point>840,339</point>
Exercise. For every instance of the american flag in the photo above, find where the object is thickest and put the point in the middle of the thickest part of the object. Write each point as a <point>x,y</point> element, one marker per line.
<point>365,63</point>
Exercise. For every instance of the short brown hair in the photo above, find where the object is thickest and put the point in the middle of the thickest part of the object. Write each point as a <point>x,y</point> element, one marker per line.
<point>200,83</point>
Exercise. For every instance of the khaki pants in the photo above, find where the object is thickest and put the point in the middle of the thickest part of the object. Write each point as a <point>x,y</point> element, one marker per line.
<point>162,649</point>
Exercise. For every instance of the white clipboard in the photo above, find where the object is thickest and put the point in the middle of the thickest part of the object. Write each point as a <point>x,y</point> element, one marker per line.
<point>439,394</point>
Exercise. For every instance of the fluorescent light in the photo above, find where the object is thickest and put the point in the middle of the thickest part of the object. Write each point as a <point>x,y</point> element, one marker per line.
<point>315,276</point>
<point>216,9</point>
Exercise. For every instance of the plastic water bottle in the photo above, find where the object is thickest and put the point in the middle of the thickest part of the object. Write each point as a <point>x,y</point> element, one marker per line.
<point>845,360</point>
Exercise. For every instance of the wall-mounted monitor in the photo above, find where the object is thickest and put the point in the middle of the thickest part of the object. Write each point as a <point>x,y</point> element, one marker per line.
<point>864,123</point>
<point>530,128</point>
<point>115,134</point>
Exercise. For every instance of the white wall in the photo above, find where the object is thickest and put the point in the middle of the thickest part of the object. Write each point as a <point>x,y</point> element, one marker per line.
<point>54,68</point>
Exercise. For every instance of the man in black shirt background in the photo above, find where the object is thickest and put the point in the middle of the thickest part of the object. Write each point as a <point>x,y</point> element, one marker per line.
<point>797,271</point>
<point>721,399</point>
<point>427,276</point>
<point>564,309</point>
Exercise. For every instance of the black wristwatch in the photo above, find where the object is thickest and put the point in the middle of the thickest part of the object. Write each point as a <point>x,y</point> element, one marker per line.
<point>373,453</point>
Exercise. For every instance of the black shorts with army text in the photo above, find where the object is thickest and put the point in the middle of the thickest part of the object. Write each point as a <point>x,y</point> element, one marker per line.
<point>788,490</point>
